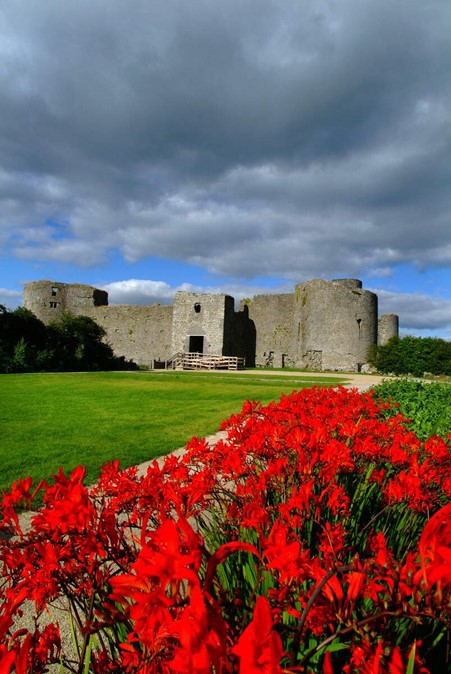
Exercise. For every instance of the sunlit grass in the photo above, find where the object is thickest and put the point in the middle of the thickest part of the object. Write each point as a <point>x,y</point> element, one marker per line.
<point>53,420</point>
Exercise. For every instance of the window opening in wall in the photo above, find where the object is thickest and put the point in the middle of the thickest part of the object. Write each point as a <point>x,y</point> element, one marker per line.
<point>196,344</point>
<point>54,291</point>
<point>359,323</point>
<point>197,308</point>
<point>53,305</point>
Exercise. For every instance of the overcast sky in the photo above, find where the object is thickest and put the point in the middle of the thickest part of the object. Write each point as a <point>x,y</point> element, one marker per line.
<point>240,146</point>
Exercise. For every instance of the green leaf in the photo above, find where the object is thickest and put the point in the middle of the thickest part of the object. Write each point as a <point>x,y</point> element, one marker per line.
<point>411,663</point>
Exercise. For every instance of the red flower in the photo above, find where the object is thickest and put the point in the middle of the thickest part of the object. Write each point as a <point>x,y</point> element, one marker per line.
<point>200,650</point>
<point>435,550</point>
<point>259,648</point>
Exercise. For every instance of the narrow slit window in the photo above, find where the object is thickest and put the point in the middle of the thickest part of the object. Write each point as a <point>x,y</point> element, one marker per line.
<point>197,308</point>
<point>359,323</point>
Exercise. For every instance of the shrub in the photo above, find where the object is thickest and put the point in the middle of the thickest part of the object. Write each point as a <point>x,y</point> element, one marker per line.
<point>315,538</point>
<point>426,405</point>
<point>412,355</point>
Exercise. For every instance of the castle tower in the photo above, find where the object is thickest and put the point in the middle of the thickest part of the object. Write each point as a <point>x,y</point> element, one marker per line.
<point>335,323</point>
<point>199,322</point>
<point>48,300</point>
<point>388,327</point>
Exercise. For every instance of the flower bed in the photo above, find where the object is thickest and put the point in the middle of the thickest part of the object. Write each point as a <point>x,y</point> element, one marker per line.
<point>315,538</point>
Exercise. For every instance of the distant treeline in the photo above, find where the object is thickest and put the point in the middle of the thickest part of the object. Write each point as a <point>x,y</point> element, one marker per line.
<point>73,344</point>
<point>412,355</point>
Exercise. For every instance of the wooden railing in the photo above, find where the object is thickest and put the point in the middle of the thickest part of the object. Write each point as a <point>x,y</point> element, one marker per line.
<point>204,361</point>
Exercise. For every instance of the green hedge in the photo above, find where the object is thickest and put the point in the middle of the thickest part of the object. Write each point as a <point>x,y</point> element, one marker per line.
<point>412,355</point>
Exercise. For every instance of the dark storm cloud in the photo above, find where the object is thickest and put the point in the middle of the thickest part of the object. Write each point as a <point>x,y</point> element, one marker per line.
<point>253,138</point>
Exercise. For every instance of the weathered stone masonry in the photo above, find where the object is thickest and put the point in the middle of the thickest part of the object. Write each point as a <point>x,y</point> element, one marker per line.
<point>323,325</point>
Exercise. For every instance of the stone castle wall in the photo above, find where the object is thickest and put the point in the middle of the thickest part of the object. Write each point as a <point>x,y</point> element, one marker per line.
<point>323,325</point>
<point>139,333</point>
<point>272,317</point>
<point>240,335</point>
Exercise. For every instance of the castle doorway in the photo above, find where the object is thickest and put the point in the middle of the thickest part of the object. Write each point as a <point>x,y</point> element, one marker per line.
<point>196,344</point>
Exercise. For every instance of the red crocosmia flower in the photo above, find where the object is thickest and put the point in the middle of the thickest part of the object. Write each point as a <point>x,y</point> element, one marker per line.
<point>336,457</point>
<point>331,543</point>
<point>48,645</point>
<point>259,648</point>
<point>254,514</point>
<point>321,619</point>
<point>438,448</point>
<point>355,583</point>
<point>282,556</point>
<point>365,659</point>
<point>7,659</point>
<point>337,499</point>
<point>169,555</point>
<point>383,556</point>
<point>130,657</point>
<point>435,549</point>
<point>67,505</point>
<point>200,647</point>
<point>298,501</point>
<point>20,494</point>
<point>23,655</point>
<point>327,663</point>
<point>152,620</point>
<point>41,576</point>
<point>384,659</point>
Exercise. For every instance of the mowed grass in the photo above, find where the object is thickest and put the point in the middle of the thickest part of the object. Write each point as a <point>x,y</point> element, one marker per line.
<point>49,421</point>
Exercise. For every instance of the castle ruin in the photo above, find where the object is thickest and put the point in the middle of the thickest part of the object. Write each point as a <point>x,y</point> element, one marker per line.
<point>322,325</point>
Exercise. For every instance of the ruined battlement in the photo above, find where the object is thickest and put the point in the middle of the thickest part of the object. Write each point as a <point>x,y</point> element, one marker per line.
<point>322,325</point>
<point>48,300</point>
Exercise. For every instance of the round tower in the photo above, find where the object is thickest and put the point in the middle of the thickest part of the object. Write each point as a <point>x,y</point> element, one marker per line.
<point>335,324</point>
<point>48,300</point>
<point>388,327</point>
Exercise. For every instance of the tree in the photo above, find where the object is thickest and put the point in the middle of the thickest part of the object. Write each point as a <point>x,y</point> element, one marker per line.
<point>73,344</point>
<point>22,336</point>
<point>76,342</point>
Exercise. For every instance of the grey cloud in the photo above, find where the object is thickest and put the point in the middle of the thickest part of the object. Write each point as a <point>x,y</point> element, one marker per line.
<point>253,138</point>
<point>417,311</point>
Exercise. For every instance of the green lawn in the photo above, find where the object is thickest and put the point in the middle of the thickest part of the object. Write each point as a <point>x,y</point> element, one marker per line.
<point>53,420</point>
